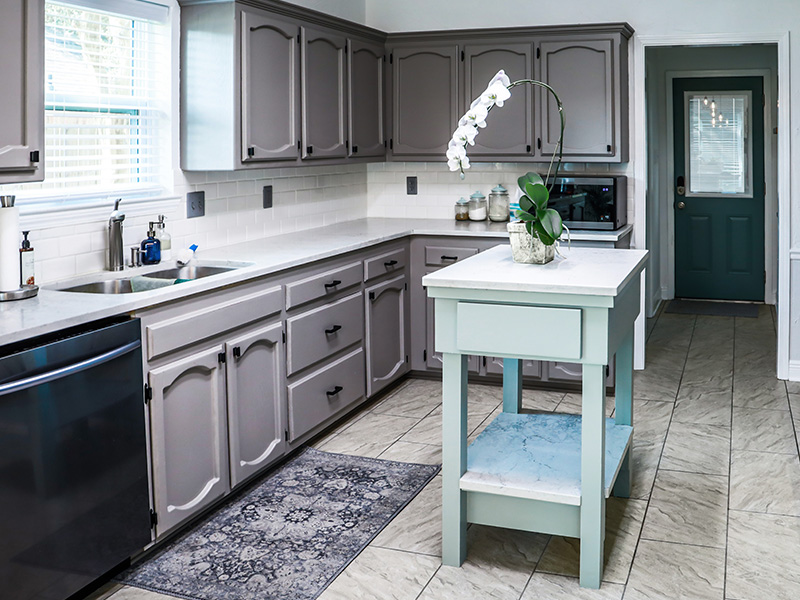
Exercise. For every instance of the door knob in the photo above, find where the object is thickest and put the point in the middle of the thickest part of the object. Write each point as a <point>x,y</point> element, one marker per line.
<point>681,205</point>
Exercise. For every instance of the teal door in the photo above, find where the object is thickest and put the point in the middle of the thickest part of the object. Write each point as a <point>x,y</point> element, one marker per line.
<point>719,188</point>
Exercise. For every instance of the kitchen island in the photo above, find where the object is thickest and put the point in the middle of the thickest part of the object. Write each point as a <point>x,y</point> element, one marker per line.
<point>544,473</point>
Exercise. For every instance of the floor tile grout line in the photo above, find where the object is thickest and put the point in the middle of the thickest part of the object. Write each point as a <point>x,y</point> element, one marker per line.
<point>660,456</point>
<point>427,583</point>
<point>730,470</point>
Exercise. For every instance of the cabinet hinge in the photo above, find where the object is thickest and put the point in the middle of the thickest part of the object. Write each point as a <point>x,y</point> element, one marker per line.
<point>538,53</point>
<point>148,393</point>
<point>221,357</point>
<point>153,519</point>
<point>425,355</point>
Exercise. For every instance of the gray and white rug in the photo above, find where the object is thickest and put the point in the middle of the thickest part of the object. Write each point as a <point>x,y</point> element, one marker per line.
<point>290,536</point>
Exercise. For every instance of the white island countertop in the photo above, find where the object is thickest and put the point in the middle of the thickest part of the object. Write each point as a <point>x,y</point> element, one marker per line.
<point>53,310</point>
<point>584,271</point>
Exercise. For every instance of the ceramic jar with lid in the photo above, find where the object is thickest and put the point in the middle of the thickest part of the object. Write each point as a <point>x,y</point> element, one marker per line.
<point>498,204</point>
<point>462,209</point>
<point>477,207</point>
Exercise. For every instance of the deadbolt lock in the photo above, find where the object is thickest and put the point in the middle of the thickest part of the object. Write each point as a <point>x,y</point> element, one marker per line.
<point>681,205</point>
<point>681,190</point>
<point>680,185</point>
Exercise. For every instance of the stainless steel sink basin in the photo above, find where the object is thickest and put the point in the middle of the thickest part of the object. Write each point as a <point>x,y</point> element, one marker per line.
<point>112,286</point>
<point>189,272</point>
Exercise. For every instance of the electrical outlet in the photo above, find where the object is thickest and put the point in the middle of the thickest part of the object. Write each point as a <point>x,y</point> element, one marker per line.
<point>266,195</point>
<point>411,185</point>
<point>195,204</point>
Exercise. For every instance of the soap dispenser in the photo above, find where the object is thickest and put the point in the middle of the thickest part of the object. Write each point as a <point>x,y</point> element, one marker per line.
<point>164,237</point>
<point>26,262</point>
<point>151,247</point>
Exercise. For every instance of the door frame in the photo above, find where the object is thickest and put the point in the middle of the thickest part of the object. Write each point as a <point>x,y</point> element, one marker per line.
<point>770,204</point>
<point>640,166</point>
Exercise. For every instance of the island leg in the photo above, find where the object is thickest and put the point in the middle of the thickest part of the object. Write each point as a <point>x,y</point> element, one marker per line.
<point>512,385</point>
<point>454,459</point>
<point>623,409</point>
<point>593,500</point>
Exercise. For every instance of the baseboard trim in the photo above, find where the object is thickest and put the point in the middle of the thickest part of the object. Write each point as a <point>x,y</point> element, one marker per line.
<point>794,370</point>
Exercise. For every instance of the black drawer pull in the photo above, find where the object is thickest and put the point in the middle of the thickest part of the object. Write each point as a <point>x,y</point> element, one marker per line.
<point>444,257</point>
<point>333,283</point>
<point>333,329</point>
<point>251,152</point>
<point>334,391</point>
<point>309,149</point>
<point>237,352</point>
<point>355,149</point>
<point>390,263</point>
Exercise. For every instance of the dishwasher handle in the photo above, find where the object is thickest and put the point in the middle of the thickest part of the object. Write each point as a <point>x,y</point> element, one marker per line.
<point>28,382</point>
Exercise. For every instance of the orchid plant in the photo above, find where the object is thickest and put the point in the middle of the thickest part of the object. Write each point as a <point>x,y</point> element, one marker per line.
<point>542,222</point>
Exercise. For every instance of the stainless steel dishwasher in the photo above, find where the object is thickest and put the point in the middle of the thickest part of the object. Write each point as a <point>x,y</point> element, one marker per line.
<point>74,500</point>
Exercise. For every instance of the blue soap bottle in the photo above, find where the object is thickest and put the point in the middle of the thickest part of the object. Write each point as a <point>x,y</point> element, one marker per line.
<point>151,247</point>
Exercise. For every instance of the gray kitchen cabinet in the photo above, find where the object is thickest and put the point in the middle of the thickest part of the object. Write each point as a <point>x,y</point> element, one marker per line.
<point>493,365</point>
<point>270,86</point>
<point>386,323</point>
<point>22,101</point>
<point>510,127</point>
<point>424,99</point>
<point>365,69</point>
<point>323,94</point>
<point>256,400</point>
<point>589,74</point>
<point>188,436</point>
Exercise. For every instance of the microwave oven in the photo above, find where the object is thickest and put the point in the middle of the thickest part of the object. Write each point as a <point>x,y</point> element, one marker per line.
<point>591,202</point>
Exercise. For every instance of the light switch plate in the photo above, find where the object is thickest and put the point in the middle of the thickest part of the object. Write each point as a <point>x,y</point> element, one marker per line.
<point>195,204</point>
<point>266,195</point>
<point>411,185</point>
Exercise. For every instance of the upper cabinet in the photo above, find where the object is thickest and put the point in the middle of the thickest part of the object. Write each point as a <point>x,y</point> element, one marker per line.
<point>425,103</point>
<point>365,88</point>
<point>22,101</point>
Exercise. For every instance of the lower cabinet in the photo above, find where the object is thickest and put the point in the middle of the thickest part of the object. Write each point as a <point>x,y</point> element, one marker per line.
<point>493,365</point>
<point>386,333</point>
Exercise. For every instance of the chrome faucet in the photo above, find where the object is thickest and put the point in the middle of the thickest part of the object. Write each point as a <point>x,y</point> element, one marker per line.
<point>116,257</point>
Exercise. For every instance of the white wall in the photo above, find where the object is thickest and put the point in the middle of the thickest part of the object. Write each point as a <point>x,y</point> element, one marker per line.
<point>352,10</point>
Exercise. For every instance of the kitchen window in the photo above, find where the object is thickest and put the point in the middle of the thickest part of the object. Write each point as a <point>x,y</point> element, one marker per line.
<point>107,104</point>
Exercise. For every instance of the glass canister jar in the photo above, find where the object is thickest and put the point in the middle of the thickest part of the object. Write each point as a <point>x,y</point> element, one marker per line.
<point>462,209</point>
<point>498,204</point>
<point>477,207</point>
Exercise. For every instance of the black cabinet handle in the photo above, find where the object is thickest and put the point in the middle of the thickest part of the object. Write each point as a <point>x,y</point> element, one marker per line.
<point>445,257</point>
<point>355,149</point>
<point>251,152</point>
<point>608,148</point>
<point>333,283</point>
<point>333,329</point>
<point>539,143</point>
<point>334,391</point>
<point>390,263</point>
<point>528,148</point>
<point>35,156</point>
<point>372,295</point>
<point>237,352</point>
<point>309,149</point>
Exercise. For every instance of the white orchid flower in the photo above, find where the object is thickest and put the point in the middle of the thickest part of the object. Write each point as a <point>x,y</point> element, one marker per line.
<point>465,135</point>
<point>475,116</point>
<point>457,156</point>
<point>502,78</point>
<point>495,94</point>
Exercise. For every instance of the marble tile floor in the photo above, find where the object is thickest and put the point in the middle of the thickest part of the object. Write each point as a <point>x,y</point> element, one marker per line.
<point>715,509</point>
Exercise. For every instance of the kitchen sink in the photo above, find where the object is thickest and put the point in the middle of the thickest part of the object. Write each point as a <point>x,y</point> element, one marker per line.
<point>189,272</point>
<point>112,286</point>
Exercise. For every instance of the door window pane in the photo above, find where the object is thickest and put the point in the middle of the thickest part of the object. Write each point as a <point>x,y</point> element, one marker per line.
<point>718,156</point>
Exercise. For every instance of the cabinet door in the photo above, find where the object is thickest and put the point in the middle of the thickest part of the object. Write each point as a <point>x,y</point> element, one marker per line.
<point>510,129</point>
<point>365,99</point>
<point>256,403</point>
<point>424,99</point>
<point>387,333</point>
<point>573,372</point>
<point>22,101</point>
<point>323,83</point>
<point>530,368</point>
<point>582,74</point>
<point>433,359</point>
<point>270,88</point>
<point>189,436</point>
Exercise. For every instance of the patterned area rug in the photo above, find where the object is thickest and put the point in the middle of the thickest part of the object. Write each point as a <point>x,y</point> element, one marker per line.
<point>290,536</point>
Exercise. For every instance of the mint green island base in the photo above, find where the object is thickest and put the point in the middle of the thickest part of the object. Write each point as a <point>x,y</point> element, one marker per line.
<point>548,473</point>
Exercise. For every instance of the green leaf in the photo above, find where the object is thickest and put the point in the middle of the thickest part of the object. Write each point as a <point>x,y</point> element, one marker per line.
<point>529,177</point>
<point>538,193</point>
<point>525,204</point>
<point>545,237</point>
<point>551,223</point>
<point>529,227</point>
<point>523,216</point>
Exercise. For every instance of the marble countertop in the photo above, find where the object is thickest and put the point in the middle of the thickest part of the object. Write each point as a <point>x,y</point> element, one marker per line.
<point>582,271</point>
<point>52,309</point>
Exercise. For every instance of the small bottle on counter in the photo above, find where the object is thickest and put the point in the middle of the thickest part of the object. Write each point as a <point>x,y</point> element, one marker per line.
<point>462,209</point>
<point>498,204</point>
<point>164,237</point>
<point>477,207</point>
<point>151,247</point>
<point>26,263</point>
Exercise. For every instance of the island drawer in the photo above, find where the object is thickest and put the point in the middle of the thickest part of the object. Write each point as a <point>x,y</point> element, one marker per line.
<point>317,334</point>
<point>326,392</point>
<point>389,262</point>
<point>321,285</point>
<point>441,256</point>
<point>187,328</point>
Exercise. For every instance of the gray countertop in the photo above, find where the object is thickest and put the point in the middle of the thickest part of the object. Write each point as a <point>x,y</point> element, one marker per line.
<point>52,309</point>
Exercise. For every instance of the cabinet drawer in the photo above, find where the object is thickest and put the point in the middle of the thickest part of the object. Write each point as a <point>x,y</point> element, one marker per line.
<point>528,331</point>
<point>442,255</point>
<point>390,262</point>
<point>322,284</point>
<point>177,332</point>
<point>318,333</point>
<point>326,392</point>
